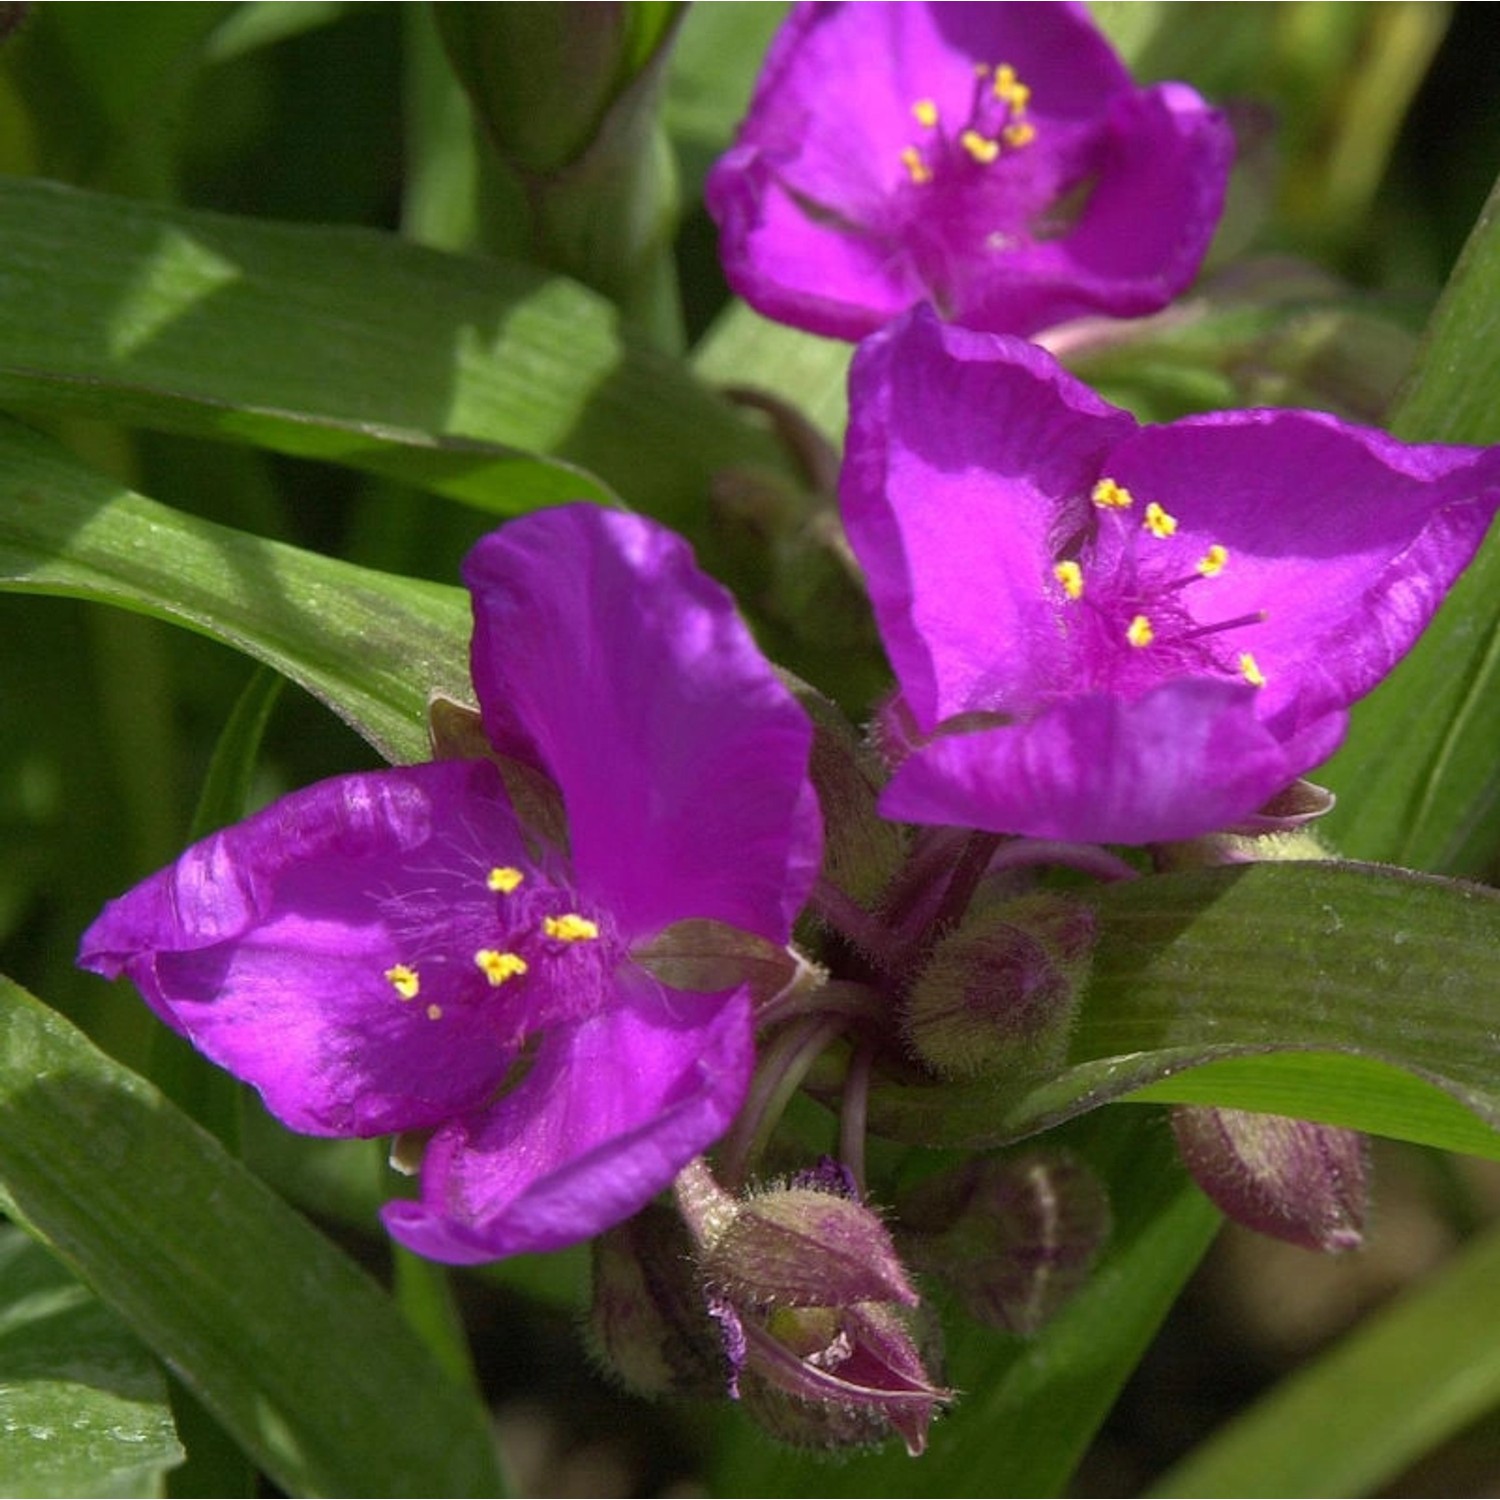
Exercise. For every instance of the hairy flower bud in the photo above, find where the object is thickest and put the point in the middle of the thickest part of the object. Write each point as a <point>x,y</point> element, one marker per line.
<point>1012,1237</point>
<point>647,1317</point>
<point>1002,989</point>
<point>803,1247</point>
<point>816,1311</point>
<point>1292,1179</point>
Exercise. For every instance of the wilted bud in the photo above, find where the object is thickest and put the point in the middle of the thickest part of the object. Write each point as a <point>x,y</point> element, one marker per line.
<point>703,955</point>
<point>1281,830</point>
<point>835,1378</point>
<point>1013,1238</point>
<point>1002,989</point>
<point>1292,1179</point>
<point>647,1317</point>
<point>816,1310</point>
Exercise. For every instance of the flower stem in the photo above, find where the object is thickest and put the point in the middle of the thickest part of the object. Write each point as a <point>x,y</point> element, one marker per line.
<point>779,1076</point>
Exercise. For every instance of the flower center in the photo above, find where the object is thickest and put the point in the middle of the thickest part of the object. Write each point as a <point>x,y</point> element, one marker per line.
<point>996,123</point>
<point>1124,598</point>
<point>513,942</point>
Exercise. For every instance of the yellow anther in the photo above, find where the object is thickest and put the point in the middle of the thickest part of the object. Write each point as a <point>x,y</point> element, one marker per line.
<point>1250,671</point>
<point>926,112</point>
<point>1139,632</point>
<point>570,928</point>
<point>1070,575</point>
<point>981,70</point>
<point>980,147</point>
<point>1158,522</point>
<point>434,1012</point>
<point>504,879</point>
<point>1211,564</point>
<point>1108,495</point>
<point>497,967</point>
<point>1020,134</point>
<point>916,168</point>
<point>1010,88</point>
<point>404,980</point>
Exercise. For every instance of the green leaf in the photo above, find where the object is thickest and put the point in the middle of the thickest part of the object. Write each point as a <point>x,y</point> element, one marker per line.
<point>1348,1424</point>
<point>1028,1408</point>
<point>1420,758</point>
<point>344,344</point>
<point>1264,964</point>
<point>291,1346</point>
<point>83,1405</point>
<point>370,645</point>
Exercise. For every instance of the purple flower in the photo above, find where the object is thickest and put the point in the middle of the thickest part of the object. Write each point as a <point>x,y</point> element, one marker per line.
<point>1117,633</point>
<point>995,159</point>
<point>421,949</point>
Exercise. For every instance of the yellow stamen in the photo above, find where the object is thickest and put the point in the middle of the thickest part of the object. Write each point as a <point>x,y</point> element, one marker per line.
<point>1020,134</point>
<point>1005,80</point>
<point>916,168</point>
<point>926,112</point>
<point>1108,495</point>
<point>404,980</point>
<point>1158,522</point>
<point>570,928</point>
<point>981,148</point>
<point>1139,632</point>
<point>1070,575</point>
<point>497,967</point>
<point>1211,564</point>
<point>504,879</point>
<point>434,1012</point>
<point>1250,671</point>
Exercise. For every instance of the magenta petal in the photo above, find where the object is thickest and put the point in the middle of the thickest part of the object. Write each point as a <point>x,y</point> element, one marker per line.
<point>608,1115</point>
<point>1145,230</point>
<point>1047,576</point>
<point>607,658</point>
<point>858,184</point>
<point>964,451</point>
<point>1186,757</point>
<point>1343,538</point>
<point>267,945</point>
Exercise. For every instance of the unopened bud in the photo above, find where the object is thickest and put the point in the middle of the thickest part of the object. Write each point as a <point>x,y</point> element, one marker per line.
<point>1002,989</point>
<point>861,849</point>
<point>1292,1179</point>
<point>647,1318</point>
<point>1013,1238</point>
<point>801,1247</point>
<point>815,1308</point>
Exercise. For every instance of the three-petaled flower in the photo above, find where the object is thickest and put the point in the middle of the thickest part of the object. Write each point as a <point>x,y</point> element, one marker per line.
<point>996,160</point>
<point>455,947</point>
<point>1120,633</point>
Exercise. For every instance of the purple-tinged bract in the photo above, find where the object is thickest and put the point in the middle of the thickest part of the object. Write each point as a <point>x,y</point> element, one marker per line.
<point>400,952</point>
<point>1119,633</point>
<point>995,160</point>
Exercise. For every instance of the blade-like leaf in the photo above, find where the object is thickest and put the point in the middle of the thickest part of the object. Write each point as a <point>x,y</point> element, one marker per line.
<point>83,1405</point>
<point>291,1347</point>
<point>1420,760</point>
<point>1361,965</point>
<point>344,344</point>
<point>1349,1423</point>
<point>368,644</point>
